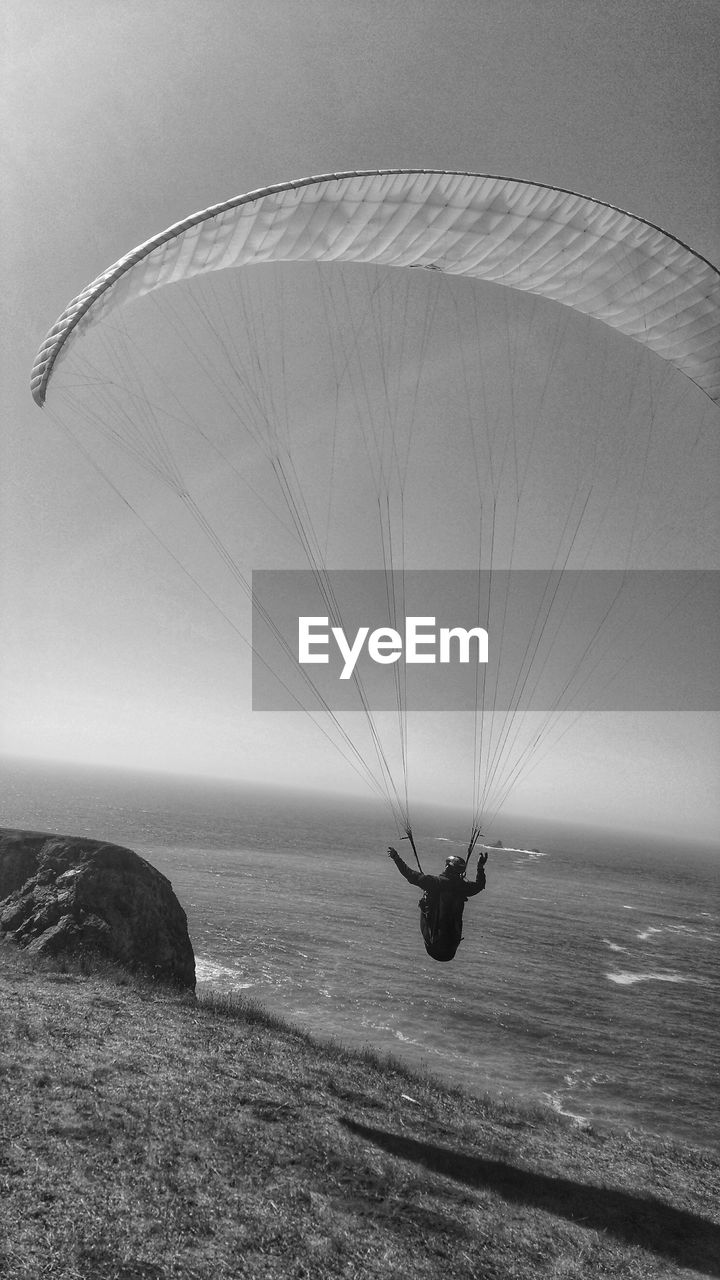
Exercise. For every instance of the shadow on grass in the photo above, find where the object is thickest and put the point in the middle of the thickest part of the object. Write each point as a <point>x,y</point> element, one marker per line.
<point>676,1234</point>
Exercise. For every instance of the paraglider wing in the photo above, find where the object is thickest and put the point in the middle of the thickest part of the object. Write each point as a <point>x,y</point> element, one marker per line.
<point>587,255</point>
<point>314,392</point>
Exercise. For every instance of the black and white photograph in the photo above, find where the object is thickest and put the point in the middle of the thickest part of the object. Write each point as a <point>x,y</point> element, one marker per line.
<point>360,640</point>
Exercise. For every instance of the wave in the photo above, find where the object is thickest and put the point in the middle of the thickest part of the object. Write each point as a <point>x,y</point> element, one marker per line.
<point>556,1102</point>
<point>647,933</point>
<point>492,848</point>
<point>687,930</point>
<point>209,971</point>
<point>613,946</point>
<point>629,979</point>
<point>530,853</point>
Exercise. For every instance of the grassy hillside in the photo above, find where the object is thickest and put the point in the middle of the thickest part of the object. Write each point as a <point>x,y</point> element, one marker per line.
<point>147,1135</point>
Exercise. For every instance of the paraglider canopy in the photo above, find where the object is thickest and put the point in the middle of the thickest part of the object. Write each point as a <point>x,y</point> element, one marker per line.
<point>580,252</point>
<point>492,456</point>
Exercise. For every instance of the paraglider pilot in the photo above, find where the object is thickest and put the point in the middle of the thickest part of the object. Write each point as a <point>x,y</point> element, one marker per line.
<point>443,901</point>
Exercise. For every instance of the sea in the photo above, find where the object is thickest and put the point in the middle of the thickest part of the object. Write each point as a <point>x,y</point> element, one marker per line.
<point>587,980</point>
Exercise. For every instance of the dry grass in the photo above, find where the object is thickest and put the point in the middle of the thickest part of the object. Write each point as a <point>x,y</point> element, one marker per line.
<point>144,1134</point>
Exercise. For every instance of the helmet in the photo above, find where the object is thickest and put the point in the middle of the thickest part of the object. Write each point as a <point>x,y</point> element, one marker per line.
<point>454,863</point>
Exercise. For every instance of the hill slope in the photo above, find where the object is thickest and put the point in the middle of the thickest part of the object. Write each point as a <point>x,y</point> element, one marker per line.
<point>145,1134</point>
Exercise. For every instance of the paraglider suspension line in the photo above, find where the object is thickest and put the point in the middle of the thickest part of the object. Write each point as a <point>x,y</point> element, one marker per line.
<point>474,837</point>
<point>409,836</point>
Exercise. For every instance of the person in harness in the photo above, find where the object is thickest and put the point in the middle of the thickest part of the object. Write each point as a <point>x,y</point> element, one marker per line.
<point>443,901</point>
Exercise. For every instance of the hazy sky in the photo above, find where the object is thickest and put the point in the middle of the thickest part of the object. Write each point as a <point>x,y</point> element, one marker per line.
<point>120,119</point>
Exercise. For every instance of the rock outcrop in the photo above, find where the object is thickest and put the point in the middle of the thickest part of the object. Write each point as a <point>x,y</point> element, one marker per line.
<point>67,895</point>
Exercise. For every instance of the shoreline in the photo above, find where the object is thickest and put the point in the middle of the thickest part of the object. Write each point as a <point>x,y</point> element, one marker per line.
<point>417,1057</point>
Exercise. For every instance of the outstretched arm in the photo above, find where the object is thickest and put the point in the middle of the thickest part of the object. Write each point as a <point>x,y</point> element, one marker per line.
<point>480,882</point>
<point>415,877</point>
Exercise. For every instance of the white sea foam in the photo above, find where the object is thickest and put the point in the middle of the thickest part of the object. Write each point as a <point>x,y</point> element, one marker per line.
<point>613,946</point>
<point>491,848</point>
<point>208,971</point>
<point>530,853</point>
<point>556,1103</point>
<point>405,1039</point>
<point>629,979</point>
<point>685,930</point>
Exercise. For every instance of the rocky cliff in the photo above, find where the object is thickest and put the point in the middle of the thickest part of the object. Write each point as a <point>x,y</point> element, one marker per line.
<point>71,895</point>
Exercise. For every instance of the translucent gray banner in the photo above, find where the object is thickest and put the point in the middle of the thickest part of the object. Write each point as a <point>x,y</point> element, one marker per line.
<point>448,640</point>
